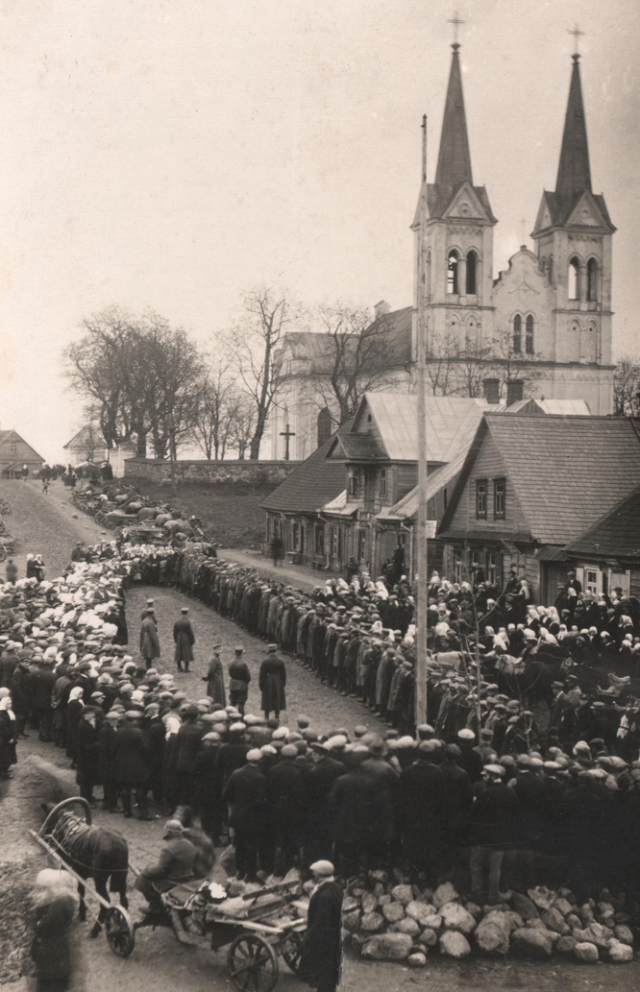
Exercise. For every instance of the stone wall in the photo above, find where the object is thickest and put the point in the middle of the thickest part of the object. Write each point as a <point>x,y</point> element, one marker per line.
<point>200,470</point>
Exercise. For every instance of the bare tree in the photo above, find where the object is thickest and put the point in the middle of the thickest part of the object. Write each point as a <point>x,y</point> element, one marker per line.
<point>242,413</point>
<point>626,388</point>
<point>511,363</point>
<point>256,341</point>
<point>440,364</point>
<point>354,356</point>
<point>215,422</point>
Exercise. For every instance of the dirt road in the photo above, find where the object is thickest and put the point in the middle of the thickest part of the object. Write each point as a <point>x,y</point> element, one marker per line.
<point>158,963</point>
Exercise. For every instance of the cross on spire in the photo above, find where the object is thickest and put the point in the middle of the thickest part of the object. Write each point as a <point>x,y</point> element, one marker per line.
<point>457,22</point>
<point>577,34</point>
<point>287,434</point>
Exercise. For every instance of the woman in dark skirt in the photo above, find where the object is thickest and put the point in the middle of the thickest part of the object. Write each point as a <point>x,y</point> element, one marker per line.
<point>75,707</point>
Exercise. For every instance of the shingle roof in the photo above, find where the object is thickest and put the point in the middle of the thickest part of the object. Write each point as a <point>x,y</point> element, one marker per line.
<point>314,482</point>
<point>360,446</point>
<point>452,422</point>
<point>615,535</point>
<point>567,471</point>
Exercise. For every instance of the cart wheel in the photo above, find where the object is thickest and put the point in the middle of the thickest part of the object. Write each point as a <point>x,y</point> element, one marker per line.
<point>3,552</point>
<point>291,950</point>
<point>120,932</point>
<point>252,964</point>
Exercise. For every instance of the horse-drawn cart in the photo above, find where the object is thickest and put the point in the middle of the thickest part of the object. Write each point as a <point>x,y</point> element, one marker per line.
<point>117,922</point>
<point>258,927</point>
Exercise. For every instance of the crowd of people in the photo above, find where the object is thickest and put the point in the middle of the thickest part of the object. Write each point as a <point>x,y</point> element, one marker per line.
<point>487,787</point>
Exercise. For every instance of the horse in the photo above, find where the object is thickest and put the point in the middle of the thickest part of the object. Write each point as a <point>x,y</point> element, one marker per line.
<point>526,679</point>
<point>92,852</point>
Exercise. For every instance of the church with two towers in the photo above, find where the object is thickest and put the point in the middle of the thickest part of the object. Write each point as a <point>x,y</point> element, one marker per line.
<point>547,316</point>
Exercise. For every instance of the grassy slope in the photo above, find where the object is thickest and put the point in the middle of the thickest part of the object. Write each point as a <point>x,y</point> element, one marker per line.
<point>230,511</point>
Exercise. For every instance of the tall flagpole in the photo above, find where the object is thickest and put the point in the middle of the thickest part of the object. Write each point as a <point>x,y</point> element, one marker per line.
<point>421,347</point>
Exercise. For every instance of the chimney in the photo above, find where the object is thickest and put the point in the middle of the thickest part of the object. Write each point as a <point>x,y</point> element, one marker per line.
<point>381,309</point>
<point>515,391</point>
<point>491,391</point>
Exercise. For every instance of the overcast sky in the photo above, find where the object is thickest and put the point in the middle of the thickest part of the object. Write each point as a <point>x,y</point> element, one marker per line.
<point>172,154</point>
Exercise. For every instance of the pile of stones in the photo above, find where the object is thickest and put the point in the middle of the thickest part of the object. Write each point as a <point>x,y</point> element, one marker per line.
<point>387,919</point>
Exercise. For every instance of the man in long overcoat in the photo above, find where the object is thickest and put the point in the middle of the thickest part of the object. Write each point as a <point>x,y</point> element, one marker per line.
<point>321,960</point>
<point>184,640</point>
<point>149,640</point>
<point>215,679</point>
<point>273,679</point>
<point>130,767</point>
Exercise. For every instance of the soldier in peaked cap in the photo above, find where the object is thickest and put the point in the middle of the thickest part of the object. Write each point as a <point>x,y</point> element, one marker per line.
<point>239,679</point>
<point>273,679</point>
<point>184,639</point>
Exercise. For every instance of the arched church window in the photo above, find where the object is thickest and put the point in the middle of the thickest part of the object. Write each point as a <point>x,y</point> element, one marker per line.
<point>528,343</point>
<point>543,265</point>
<point>517,334</point>
<point>573,279</point>
<point>472,273</point>
<point>324,425</point>
<point>592,280</point>
<point>453,273</point>
<point>550,270</point>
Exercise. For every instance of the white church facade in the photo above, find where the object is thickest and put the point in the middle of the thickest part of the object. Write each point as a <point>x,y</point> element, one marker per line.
<point>542,328</point>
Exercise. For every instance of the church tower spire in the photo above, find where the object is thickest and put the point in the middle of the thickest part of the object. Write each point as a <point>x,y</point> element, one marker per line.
<point>454,159</point>
<point>574,171</point>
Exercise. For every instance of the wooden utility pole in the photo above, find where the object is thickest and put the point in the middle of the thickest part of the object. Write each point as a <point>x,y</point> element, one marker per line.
<point>421,356</point>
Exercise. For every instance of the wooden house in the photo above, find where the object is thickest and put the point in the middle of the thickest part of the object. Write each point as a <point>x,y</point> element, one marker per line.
<point>15,453</point>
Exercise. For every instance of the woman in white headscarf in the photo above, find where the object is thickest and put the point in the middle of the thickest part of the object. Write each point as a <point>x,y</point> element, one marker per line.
<point>8,754</point>
<point>75,706</point>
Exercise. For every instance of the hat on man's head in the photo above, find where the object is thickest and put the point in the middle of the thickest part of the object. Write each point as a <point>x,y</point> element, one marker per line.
<point>322,868</point>
<point>172,828</point>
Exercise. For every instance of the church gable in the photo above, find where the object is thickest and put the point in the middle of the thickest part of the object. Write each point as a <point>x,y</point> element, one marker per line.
<point>586,213</point>
<point>523,282</point>
<point>465,204</point>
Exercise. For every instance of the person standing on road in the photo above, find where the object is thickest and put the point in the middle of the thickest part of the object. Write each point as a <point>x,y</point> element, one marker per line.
<point>8,756</point>
<point>321,961</point>
<point>130,765</point>
<point>184,639</point>
<point>239,679</point>
<point>215,678</point>
<point>273,679</point>
<point>149,640</point>
<point>11,571</point>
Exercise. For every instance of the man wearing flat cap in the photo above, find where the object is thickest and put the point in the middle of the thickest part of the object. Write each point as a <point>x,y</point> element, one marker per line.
<point>321,960</point>
<point>175,864</point>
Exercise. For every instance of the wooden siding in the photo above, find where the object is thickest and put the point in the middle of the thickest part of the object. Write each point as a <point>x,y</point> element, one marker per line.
<point>406,480</point>
<point>488,465</point>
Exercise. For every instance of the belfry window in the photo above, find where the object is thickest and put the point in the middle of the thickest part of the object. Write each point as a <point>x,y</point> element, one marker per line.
<point>517,334</point>
<point>573,279</point>
<point>528,342</point>
<point>453,267</point>
<point>592,280</point>
<point>472,273</point>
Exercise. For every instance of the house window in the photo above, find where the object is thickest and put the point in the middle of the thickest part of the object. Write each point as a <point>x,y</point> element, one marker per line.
<point>515,391</point>
<point>592,280</point>
<point>517,334</point>
<point>319,540</point>
<point>528,345</point>
<point>481,499</point>
<point>492,568</point>
<point>362,545</point>
<point>499,498</point>
<point>453,265</point>
<point>336,542</point>
<point>383,483</point>
<point>472,273</point>
<point>573,279</point>
<point>354,483</point>
<point>295,537</point>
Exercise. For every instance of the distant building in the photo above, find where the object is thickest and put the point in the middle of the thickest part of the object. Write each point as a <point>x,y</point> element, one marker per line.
<point>88,446</point>
<point>15,453</point>
<point>547,317</point>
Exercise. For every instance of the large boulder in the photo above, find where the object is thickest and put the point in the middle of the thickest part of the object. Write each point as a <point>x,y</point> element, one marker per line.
<point>393,912</point>
<point>563,905</point>
<point>619,952</point>
<point>492,934</point>
<point>369,903</point>
<point>533,942</point>
<point>586,951</point>
<point>596,934</point>
<point>454,944</point>
<point>428,937</point>
<point>402,893</point>
<point>554,920</point>
<point>433,922</point>
<point>456,917</point>
<point>349,904</point>
<point>417,960</point>
<point>420,912</point>
<point>351,921</point>
<point>524,906</point>
<point>566,945</point>
<point>623,934</point>
<point>372,922</point>
<point>407,925</point>
<point>388,947</point>
<point>444,894</point>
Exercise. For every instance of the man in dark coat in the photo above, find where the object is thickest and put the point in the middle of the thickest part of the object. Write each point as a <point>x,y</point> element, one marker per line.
<point>285,807</point>
<point>88,752</point>
<point>321,960</point>
<point>495,826</point>
<point>215,678</point>
<point>361,822</point>
<point>8,663</point>
<point>149,640</point>
<point>130,768</point>
<point>43,681</point>
<point>184,639</point>
<point>187,745</point>
<point>422,803</point>
<point>239,679</point>
<point>273,679</point>
<point>318,784</point>
<point>21,695</point>
<point>244,795</point>
<point>106,753</point>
